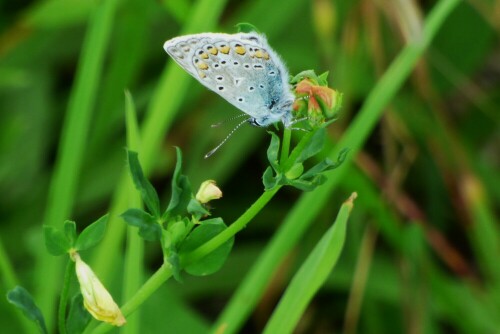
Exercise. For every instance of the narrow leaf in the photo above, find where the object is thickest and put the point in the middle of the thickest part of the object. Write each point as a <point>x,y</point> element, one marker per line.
<point>148,193</point>
<point>311,275</point>
<point>181,191</point>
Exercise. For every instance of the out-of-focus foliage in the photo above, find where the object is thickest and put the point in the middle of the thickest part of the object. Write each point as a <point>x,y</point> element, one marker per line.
<point>422,246</point>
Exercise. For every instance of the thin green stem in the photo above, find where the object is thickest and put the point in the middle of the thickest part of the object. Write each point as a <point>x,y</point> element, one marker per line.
<point>63,301</point>
<point>152,284</point>
<point>297,151</point>
<point>285,146</point>
<point>231,231</point>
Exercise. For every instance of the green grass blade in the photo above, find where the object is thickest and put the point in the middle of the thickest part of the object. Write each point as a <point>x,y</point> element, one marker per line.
<point>134,252</point>
<point>74,135</point>
<point>311,275</point>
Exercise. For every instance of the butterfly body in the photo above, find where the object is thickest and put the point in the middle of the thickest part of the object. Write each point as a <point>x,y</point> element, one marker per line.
<point>242,68</point>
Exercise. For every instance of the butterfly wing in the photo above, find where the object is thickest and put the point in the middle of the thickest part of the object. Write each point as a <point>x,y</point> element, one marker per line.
<point>241,68</point>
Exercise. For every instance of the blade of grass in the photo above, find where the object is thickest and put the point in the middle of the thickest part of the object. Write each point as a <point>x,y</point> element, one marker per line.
<point>73,138</point>
<point>310,204</point>
<point>311,275</point>
<point>134,252</point>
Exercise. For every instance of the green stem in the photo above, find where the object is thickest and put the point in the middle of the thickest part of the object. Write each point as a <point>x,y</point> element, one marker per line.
<point>297,151</point>
<point>152,284</point>
<point>285,147</point>
<point>63,301</point>
<point>228,233</point>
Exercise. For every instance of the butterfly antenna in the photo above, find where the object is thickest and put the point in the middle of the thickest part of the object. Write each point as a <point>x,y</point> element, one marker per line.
<point>225,139</point>
<point>226,120</point>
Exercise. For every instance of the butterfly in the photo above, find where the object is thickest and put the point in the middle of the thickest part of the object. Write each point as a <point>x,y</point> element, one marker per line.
<point>242,68</point>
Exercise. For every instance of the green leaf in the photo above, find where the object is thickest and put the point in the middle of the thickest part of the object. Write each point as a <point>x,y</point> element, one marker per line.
<point>295,171</point>
<point>22,299</point>
<point>268,179</point>
<point>55,241</point>
<point>197,209</point>
<point>246,27</point>
<point>148,192</point>
<point>70,231</point>
<point>323,78</point>
<point>181,191</point>
<point>92,234</point>
<point>273,150</point>
<point>314,145</point>
<point>78,317</point>
<point>149,229</point>
<point>308,185</point>
<point>178,231</point>
<point>201,234</point>
<point>173,259</point>
<point>325,165</point>
<point>311,275</point>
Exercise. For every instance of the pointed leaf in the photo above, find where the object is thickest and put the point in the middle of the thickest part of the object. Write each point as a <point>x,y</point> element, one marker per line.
<point>181,191</point>
<point>149,229</point>
<point>308,185</point>
<point>311,275</point>
<point>325,165</point>
<point>148,192</point>
<point>56,241</point>
<point>22,299</point>
<point>92,234</point>
<point>197,209</point>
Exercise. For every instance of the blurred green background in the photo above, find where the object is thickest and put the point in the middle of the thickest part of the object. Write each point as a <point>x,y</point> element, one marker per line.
<point>423,241</point>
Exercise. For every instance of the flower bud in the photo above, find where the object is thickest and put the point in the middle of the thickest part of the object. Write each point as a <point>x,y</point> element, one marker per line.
<point>208,191</point>
<point>323,102</point>
<point>96,298</point>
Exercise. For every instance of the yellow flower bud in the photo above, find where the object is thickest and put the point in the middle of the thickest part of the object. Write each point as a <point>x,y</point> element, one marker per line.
<point>96,298</point>
<point>208,191</point>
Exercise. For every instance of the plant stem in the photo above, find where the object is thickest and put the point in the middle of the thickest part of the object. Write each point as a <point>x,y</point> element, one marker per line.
<point>152,284</point>
<point>296,151</point>
<point>285,147</point>
<point>63,301</point>
<point>228,233</point>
